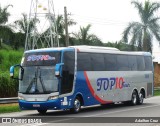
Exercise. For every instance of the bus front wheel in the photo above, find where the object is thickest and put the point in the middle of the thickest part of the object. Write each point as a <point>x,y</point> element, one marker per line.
<point>42,111</point>
<point>77,105</point>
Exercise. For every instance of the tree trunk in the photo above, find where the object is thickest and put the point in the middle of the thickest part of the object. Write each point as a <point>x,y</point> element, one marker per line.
<point>145,47</point>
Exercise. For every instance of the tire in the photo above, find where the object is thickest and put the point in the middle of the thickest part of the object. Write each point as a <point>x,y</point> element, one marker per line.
<point>134,98</point>
<point>76,105</point>
<point>42,112</point>
<point>140,98</point>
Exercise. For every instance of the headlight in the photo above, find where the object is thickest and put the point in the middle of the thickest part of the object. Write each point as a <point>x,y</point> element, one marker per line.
<point>52,97</point>
<point>20,98</point>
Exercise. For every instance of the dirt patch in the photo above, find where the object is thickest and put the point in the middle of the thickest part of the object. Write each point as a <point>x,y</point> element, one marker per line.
<point>13,104</point>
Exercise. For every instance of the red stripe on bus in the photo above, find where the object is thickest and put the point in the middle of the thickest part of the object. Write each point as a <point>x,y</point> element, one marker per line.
<point>93,92</point>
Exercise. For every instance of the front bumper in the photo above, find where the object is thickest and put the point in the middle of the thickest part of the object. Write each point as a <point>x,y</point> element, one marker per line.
<point>42,105</point>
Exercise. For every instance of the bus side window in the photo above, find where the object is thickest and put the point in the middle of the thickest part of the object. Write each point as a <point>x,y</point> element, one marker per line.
<point>83,62</point>
<point>97,61</point>
<point>68,72</point>
<point>122,63</point>
<point>132,63</point>
<point>148,63</point>
<point>110,62</point>
<point>140,63</point>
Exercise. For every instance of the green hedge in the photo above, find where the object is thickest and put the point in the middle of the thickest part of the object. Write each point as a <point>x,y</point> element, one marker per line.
<point>8,87</point>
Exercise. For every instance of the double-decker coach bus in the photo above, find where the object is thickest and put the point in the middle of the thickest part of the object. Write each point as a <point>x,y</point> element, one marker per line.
<point>71,77</point>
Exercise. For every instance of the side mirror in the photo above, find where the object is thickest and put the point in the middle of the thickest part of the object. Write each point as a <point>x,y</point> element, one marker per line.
<point>12,68</point>
<point>58,69</point>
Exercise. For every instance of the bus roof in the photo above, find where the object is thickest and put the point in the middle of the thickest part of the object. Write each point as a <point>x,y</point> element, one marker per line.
<point>98,49</point>
<point>94,49</point>
<point>47,49</point>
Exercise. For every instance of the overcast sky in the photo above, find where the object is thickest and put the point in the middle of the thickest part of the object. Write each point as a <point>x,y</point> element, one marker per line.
<point>107,17</point>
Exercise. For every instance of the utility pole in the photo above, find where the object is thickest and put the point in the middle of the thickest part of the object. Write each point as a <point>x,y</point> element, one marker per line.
<point>66,26</point>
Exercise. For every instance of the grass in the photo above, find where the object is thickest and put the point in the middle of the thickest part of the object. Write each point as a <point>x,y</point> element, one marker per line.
<point>6,108</point>
<point>156,92</point>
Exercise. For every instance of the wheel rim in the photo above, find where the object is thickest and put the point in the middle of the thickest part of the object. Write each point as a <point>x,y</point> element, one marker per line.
<point>134,98</point>
<point>77,105</point>
<point>141,98</point>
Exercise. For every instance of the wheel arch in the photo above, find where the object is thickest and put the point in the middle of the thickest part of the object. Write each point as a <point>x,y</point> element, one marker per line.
<point>135,89</point>
<point>80,96</point>
<point>143,92</point>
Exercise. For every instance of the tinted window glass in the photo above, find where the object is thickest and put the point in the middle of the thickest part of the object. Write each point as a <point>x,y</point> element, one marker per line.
<point>83,62</point>
<point>69,61</point>
<point>41,59</point>
<point>110,62</point>
<point>140,63</point>
<point>132,63</point>
<point>148,63</point>
<point>122,62</point>
<point>97,61</point>
<point>68,72</point>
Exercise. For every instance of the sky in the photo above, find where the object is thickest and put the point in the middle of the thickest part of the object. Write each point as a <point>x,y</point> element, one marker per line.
<point>107,17</point>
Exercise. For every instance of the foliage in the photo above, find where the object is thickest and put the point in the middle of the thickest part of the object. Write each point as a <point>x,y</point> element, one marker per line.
<point>24,26</point>
<point>8,87</point>
<point>60,26</point>
<point>4,14</point>
<point>23,23</point>
<point>156,92</point>
<point>121,46</point>
<point>84,38</point>
<point>19,40</point>
<point>6,33</point>
<point>142,32</point>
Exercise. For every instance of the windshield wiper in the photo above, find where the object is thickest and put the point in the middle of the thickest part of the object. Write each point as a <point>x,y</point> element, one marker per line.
<point>41,81</point>
<point>34,83</point>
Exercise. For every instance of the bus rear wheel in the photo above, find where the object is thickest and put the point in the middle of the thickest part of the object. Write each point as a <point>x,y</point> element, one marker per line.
<point>134,98</point>
<point>76,106</point>
<point>42,111</point>
<point>141,98</point>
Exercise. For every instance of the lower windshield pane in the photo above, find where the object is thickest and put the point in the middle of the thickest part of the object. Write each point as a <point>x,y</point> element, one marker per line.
<point>38,80</point>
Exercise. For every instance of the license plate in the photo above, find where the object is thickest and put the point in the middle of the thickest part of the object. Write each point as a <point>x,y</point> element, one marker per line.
<point>36,105</point>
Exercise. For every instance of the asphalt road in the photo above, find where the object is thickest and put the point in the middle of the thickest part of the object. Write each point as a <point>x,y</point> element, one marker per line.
<point>149,111</point>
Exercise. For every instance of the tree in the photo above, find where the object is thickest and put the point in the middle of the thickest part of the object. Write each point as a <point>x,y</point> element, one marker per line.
<point>4,14</point>
<point>120,45</point>
<point>60,25</point>
<point>6,33</point>
<point>85,38</point>
<point>23,23</point>
<point>25,26</point>
<point>142,32</point>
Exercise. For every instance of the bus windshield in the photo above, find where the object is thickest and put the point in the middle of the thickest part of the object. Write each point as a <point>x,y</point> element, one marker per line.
<point>39,72</point>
